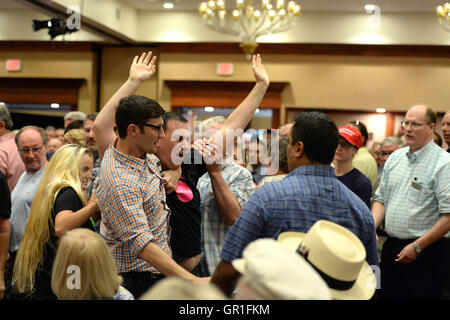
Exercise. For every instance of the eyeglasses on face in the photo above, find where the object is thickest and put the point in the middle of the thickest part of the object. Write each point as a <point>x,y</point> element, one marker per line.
<point>383,154</point>
<point>157,128</point>
<point>344,144</point>
<point>33,149</point>
<point>415,125</point>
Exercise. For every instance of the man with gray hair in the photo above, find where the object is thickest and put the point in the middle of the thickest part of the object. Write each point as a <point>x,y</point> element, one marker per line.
<point>72,116</point>
<point>224,190</point>
<point>413,199</point>
<point>10,163</point>
<point>31,141</point>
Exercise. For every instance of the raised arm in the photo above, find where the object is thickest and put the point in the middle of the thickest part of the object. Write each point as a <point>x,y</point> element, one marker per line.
<point>242,115</point>
<point>141,69</point>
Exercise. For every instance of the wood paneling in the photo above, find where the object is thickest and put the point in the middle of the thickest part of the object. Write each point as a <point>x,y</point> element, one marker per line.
<point>34,90</point>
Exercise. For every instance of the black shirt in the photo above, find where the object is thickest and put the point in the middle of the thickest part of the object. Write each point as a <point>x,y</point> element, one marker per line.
<point>184,203</point>
<point>359,184</point>
<point>67,199</point>
<point>5,198</point>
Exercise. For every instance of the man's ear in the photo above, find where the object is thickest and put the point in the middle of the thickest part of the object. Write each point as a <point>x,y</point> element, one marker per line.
<point>299,149</point>
<point>132,130</point>
<point>2,125</point>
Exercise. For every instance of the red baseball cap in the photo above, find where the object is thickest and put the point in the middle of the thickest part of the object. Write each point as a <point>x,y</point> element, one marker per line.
<point>351,135</point>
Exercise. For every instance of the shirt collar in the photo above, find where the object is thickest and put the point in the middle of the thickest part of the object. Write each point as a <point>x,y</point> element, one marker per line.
<point>150,161</point>
<point>416,156</point>
<point>314,170</point>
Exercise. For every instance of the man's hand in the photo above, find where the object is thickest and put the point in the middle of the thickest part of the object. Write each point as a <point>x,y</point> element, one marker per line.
<point>210,152</point>
<point>258,70</point>
<point>172,177</point>
<point>142,68</point>
<point>407,255</point>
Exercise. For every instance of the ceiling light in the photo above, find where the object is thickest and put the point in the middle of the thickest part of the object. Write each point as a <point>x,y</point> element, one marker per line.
<point>381,110</point>
<point>369,8</point>
<point>168,5</point>
<point>55,105</point>
<point>209,109</point>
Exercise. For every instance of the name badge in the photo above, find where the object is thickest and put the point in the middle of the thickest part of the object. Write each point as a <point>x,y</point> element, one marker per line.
<point>416,185</point>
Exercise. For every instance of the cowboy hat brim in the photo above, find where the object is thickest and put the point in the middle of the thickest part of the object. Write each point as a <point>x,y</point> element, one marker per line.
<point>365,285</point>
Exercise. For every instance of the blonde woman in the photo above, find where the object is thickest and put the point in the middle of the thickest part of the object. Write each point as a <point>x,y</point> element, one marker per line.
<point>75,136</point>
<point>84,253</point>
<point>58,206</point>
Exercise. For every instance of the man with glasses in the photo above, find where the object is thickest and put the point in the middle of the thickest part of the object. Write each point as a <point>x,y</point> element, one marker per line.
<point>413,199</point>
<point>31,143</point>
<point>131,195</point>
<point>10,163</point>
<point>350,141</point>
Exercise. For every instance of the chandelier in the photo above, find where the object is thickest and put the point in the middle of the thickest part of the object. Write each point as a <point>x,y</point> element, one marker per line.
<point>249,21</point>
<point>443,13</point>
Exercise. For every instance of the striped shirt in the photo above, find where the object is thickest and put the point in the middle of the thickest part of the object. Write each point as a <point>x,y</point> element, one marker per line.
<point>240,182</point>
<point>295,203</point>
<point>132,199</point>
<point>415,190</point>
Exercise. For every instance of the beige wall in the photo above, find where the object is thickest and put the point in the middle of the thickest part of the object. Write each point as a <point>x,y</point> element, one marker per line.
<point>59,65</point>
<point>329,82</point>
<point>116,62</point>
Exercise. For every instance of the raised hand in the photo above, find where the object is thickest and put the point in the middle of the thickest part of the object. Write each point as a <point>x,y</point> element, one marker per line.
<point>143,67</point>
<point>258,70</point>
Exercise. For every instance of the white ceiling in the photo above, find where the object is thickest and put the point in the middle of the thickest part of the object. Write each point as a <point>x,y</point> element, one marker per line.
<point>312,5</point>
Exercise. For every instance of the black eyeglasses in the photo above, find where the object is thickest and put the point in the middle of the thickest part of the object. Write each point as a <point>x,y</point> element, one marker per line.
<point>157,128</point>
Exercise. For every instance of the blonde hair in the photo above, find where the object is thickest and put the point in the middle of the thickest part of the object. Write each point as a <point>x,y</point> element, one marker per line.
<point>88,251</point>
<point>63,170</point>
<point>174,288</point>
<point>77,136</point>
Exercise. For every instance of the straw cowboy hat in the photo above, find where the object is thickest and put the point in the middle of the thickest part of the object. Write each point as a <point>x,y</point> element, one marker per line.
<point>338,256</point>
<point>274,272</point>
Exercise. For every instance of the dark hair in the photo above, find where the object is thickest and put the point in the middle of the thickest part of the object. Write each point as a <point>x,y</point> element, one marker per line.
<point>135,109</point>
<point>173,116</point>
<point>76,124</point>
<point>362,129</point>
<point>5,116</point>
<point>430,116</point>
<point>38,129</point>
<point>319,135</point>
<point>92,116</point>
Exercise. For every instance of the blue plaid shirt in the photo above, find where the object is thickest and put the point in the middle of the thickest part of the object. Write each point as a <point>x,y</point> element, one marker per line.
<point>239,181</point>
<point>306,195</point>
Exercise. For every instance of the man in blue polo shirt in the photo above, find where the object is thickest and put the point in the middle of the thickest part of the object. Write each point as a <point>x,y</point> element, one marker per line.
<point>310,192</point>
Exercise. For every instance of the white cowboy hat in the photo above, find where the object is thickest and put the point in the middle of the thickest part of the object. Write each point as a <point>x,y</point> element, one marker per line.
<point>274,272</point>
<point>338,256</point>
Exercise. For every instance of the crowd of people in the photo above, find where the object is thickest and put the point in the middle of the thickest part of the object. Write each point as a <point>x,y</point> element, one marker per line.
<point>127,204</point>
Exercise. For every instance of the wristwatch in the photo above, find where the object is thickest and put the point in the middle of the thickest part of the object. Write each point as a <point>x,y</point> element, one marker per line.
<point>416,247</point>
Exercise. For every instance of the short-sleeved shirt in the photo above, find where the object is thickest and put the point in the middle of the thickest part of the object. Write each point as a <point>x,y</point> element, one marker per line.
<point>415,190</point>
<point>11,163</point>
<point>66,199</point>
<point>5,198</point>
<point>359,184</point>
<point>184,204</point>
<point>240,181</point>
<point>21,199</point>
<point>295,203</point>
<point>132,199</point>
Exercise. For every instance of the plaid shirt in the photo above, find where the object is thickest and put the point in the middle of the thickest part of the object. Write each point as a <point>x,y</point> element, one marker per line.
<point>415,190</point>
<point>240,182</point>
<point>93,185</point>
<point>295,203</point>
<point>132,199</point>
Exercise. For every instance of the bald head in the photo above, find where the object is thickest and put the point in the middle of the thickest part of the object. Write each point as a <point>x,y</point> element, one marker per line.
<point>419,124</point>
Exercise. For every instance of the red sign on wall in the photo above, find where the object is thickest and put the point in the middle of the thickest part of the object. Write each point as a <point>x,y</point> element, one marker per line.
<point>225,69</point>
<point>13,65</point>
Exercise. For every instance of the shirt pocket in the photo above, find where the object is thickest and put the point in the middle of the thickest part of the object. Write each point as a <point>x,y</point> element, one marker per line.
<point>414,194</point>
